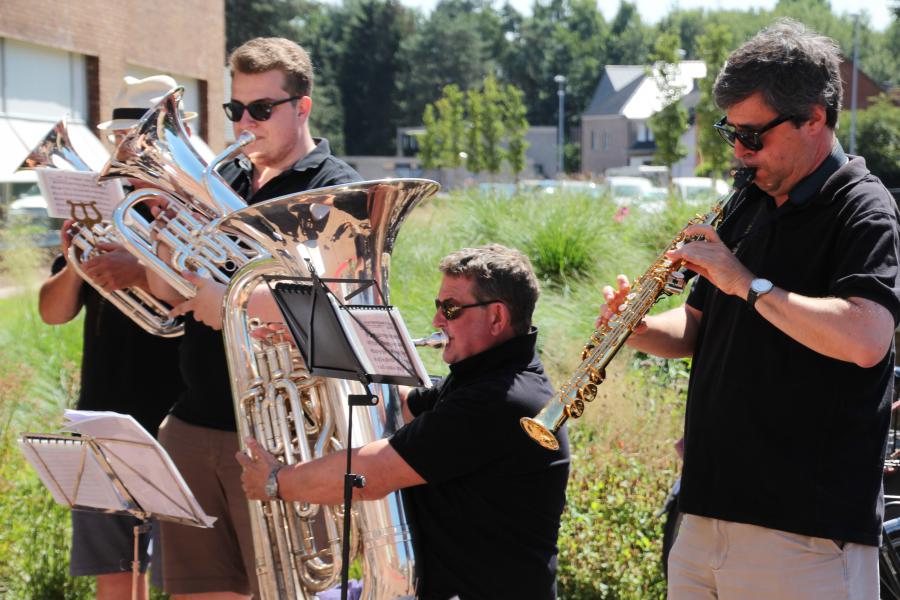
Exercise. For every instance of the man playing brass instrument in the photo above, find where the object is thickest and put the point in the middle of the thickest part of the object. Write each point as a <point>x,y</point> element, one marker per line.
<point>270,96</point>
<point>791,330</point>
<point>484,502</point>
<point>116,364</point>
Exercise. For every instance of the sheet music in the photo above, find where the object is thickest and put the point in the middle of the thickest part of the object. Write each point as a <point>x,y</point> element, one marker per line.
<point>380,324</point>
<point>77,195</point>
<point>59,465</point>
<point>138,461</point>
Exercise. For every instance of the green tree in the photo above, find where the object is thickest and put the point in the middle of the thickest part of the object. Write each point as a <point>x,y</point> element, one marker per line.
<point>671,121</point>
<point>877,138</point>
<point>452,126</point>
<point>491,126</point>
<point>457,44</point>
<point>715,155</point>
<point>429,142</point>
<point>368,73</point>
<point>474,110</point>
<point>245,20</point>
<point>562,37</point>
<point>516,126</point>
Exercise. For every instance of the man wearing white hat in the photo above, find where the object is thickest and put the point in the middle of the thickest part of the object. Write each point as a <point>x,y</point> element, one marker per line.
<point>117,355</point>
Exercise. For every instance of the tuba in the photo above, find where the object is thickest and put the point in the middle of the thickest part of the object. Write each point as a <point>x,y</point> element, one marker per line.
<point>159,152</point>
<point>342,231</point>
<point>662,278</point>
<point>55,151</point>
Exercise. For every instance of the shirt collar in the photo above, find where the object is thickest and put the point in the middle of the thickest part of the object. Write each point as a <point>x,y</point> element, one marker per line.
<point>807,188</point>
<point>520,349</point>
<point>311,161</point>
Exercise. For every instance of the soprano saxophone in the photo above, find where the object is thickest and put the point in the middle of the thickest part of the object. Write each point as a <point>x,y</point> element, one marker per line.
<point>664,277</point>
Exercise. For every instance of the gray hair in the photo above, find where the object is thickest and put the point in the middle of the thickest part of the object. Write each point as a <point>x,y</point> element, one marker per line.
<point>793,67</point>
<point>499,273</point>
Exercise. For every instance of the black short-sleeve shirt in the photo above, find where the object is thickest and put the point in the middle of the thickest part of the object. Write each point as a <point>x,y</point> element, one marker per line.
<point>207,401</point>
<point>776,434</point>
<point>123,368</point>
<point>486,523</point>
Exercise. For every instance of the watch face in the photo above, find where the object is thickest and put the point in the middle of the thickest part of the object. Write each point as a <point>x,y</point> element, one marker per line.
<point>761,286</point>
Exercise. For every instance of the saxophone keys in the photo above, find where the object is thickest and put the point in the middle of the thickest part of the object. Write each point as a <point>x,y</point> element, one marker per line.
<point>587,351</point>
<point>575,409</point>
<point>587,393</point>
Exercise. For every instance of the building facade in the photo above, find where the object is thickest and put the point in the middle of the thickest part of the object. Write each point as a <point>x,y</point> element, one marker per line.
<point>69,58</point>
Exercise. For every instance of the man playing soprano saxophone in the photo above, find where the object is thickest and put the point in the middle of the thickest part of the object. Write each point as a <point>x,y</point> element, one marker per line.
<point>484,501</point>
<point>791,331</point>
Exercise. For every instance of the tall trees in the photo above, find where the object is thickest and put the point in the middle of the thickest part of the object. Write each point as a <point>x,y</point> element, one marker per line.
<point>368,71</point>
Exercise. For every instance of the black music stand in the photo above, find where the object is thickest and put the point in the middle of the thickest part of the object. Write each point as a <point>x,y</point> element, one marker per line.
<point>327,333</point>
<point>113,466</point>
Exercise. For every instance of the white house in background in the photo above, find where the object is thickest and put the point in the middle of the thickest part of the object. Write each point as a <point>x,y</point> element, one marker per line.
<point>614,129</point>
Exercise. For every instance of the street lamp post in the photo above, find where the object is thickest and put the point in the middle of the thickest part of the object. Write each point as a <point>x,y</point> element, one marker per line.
<point>560,139</point>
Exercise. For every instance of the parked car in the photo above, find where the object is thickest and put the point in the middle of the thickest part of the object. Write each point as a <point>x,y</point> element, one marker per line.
<point>699,190</point>
<point>625,190</point>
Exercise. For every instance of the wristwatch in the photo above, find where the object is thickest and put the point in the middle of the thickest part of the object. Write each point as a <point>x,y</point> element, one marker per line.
<point>272,483</point>
<point>758,287</point>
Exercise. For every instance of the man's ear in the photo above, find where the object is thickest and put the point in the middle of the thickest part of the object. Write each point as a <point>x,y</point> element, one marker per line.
<point>501,319</point>
<point>816,119</point>
<point>304,105</point>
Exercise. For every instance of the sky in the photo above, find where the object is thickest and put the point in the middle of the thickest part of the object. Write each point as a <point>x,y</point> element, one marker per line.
<point>652,11</point>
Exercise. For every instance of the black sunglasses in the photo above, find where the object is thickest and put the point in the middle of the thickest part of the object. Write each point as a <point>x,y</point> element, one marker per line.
<point>453,311</point>
<point>260,110</point>
<point>750,138</point>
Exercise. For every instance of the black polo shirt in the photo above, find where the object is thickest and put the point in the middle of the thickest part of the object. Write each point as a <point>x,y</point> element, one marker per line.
<point>486,523</point>
<point>207,401</point>
<point>123,368</point>
<point>776,434</point>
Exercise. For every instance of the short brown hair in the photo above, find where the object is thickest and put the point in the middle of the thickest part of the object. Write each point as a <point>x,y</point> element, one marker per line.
<point>794,68</point>
<point>498,273</point>
<point>260,55</point>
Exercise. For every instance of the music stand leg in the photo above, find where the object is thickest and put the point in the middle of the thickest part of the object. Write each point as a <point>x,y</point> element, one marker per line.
<point>142,527</point>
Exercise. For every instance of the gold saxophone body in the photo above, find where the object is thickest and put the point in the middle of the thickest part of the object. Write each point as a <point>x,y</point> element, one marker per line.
<point>663,277</point>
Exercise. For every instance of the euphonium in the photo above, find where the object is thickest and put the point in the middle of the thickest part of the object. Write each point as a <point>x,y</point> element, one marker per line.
<point>342,231</point>
<point>55,151</point>
<point>158,151</point>
<point>663,277</point>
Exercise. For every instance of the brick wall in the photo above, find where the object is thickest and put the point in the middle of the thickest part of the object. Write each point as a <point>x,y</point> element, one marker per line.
<point>184,38</point>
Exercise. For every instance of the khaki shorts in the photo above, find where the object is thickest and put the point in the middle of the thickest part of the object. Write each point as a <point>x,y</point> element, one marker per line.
<point>715,559</point>
<point>219,559</point>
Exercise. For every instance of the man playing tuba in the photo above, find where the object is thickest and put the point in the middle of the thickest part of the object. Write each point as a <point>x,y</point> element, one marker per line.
<point>483,500</point>
<point>270,97</point>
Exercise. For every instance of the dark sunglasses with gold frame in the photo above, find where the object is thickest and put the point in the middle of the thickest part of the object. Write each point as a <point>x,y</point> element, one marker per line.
<point>451,310</point>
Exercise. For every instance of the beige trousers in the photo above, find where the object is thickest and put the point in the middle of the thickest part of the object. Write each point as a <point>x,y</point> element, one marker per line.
<point>714,559</point>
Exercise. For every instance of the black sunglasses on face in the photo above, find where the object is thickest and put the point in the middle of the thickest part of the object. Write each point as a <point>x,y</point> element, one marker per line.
<point>453,311</point>
<point>750,138</point>
<point>260,110</point>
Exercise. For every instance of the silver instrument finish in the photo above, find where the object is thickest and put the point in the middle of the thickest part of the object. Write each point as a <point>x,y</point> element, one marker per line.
<point>343,232</point>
